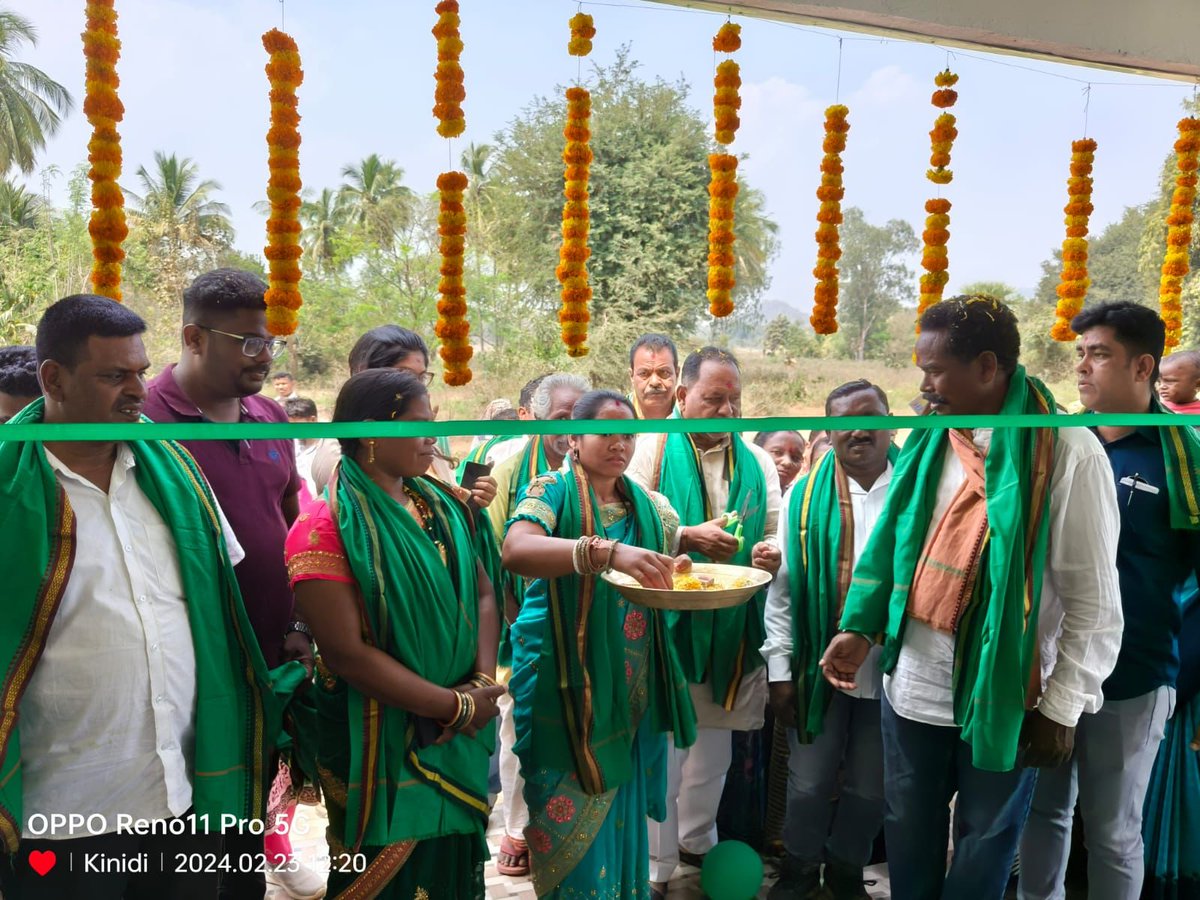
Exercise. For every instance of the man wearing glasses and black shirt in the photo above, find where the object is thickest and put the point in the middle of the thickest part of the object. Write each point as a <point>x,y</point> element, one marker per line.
<point>226,360</point>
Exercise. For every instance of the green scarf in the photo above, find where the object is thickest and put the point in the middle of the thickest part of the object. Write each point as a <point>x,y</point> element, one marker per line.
<point>585,650</point>
<point>423,612</point>
<point>816,557</point>
<point>237,716</point>
<point>479,454</point>
<point>720,646</point>
<point>533,463</point>
<point>996,642</point>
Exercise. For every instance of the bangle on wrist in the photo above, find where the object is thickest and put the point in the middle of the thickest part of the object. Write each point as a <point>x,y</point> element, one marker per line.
<point>458,699</point>
<point>612,551</point>
<point>482,679</point>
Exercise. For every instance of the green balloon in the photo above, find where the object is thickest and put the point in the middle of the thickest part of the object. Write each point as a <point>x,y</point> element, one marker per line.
<point>732,871</point>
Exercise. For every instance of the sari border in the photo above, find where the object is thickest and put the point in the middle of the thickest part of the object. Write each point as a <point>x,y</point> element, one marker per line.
<point>379,872</point>
<point>45,608</point>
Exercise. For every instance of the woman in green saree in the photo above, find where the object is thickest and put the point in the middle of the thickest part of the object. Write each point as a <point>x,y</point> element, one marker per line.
<point>596,682</point>
<point>387,576</point>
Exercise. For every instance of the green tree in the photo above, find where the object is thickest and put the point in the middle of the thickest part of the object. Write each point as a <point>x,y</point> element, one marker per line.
<point>875,280</point>
<point>1113,263</point>
<point>19,209</point>
<point>323,220</point>
<point>777,335</point>
<point>648,203</point>
<point>177,225</point>
<point>376,199</point>
<point>32,104</point>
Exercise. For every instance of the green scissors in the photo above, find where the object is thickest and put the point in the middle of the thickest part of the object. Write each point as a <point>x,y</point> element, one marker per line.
<point>739,517</point>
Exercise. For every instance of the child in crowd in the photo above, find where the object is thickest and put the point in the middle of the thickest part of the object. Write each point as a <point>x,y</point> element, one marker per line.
<point>1180,381</point>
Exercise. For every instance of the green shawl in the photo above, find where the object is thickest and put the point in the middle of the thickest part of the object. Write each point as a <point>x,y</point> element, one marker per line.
<point>423,612</point>
<point>996,642</point>
<point>532,463</point>
<point>816,557</point>
<point>237,716</point>
<point>585,650</point>
<point>479,454</point>
<point>720,646</point>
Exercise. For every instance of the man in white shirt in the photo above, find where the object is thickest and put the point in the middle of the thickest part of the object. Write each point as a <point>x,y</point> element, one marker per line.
<point>132,665</point>
<point>708,478</point>
<point>302,409</point>
<point>991,576</point>
<point>824,524</point>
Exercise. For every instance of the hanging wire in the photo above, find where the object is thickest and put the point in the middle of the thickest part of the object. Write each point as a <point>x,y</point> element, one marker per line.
<point>1087,102</point>
<point>837,90</point>
<point>282,14</point>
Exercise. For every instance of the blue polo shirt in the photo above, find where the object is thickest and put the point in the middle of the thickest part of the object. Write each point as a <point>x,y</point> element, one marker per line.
<point>1153,562</point>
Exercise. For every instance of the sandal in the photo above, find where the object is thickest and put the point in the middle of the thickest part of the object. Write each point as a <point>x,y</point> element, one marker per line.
<point>513,858</point>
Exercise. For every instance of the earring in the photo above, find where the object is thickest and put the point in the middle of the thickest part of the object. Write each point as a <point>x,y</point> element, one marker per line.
<point>575,454</point>
<point>370,451</point>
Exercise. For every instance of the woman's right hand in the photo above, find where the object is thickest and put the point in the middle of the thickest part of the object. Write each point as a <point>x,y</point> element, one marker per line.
<point>485,706</point>
<point>649,569</point>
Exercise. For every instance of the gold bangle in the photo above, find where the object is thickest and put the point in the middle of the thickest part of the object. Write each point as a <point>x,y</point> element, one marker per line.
<point>449,723</point>
<point>482,679</point>
<point>468,713</point>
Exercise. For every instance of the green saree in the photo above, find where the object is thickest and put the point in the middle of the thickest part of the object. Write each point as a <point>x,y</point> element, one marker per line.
<point>407,811</point>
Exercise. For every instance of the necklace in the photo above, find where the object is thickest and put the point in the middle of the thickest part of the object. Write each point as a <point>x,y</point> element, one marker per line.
<point>424,515</point>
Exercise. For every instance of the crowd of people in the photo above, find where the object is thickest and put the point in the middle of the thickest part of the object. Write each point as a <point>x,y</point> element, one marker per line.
<point>969,643</point>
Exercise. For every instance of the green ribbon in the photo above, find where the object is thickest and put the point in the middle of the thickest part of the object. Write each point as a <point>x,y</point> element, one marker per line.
<point>249,431</point>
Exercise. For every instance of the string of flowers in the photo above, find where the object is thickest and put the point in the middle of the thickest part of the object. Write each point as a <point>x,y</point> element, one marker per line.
<point>283,249</point>
<point>935,258</point>
<point>107,227</point>
<point>573,255</point>
<point>449,92</point>
<point>1073,280</point>
<point>723,186</point>
<point>582,32</point>
<point>829,217</point>
<point>1179,230</point>
<point>452,327</point>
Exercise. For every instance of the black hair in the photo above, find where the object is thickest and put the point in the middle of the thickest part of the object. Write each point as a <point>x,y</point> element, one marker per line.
<point>380,394</point>
<point>279,375</point>
<point>763,436</point>
<point>65,327</point>
<point>654,342</point>
<point>525,400</point>
<point>18,372</point>
<point>222,291</point>
<point>507,414</point>
<point>1138,329</point>
<point>853,387</point>
<point>976,324</point>
<point>697,358</point>
<point>383,347</point>
<point>592,402</point>
<point>300,408</point>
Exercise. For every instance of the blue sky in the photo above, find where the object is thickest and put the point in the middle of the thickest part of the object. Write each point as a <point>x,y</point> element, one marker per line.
<point>193,84</point>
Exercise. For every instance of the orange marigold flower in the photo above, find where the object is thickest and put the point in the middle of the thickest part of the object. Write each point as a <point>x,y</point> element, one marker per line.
<point>728,38</point>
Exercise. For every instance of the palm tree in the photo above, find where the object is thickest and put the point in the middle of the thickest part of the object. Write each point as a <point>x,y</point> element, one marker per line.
<point>31,102</point>
<point>322,218</point>
<point>756,236</point>
<point>184,228</point>
<point>18,207</point>
<point>376,200</point>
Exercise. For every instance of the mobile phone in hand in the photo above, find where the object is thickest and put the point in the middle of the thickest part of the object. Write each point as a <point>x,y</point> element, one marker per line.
<point>472,472</point>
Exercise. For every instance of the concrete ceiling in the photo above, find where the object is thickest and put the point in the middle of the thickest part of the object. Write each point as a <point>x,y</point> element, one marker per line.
<point>1149,37</point>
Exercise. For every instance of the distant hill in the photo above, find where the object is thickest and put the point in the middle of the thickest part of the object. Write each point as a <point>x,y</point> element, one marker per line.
<point>774,308</point>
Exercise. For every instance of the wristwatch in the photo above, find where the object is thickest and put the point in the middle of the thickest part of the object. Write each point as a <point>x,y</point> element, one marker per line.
<point>300,627</point>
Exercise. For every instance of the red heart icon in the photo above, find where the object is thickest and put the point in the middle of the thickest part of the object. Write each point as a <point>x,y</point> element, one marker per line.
<point>42,861</point>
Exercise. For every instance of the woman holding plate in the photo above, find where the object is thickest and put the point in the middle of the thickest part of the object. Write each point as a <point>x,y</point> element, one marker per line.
<point>596,681</point>
<point>386,574</point>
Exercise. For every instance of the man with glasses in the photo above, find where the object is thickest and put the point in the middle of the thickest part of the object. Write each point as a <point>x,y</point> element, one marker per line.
<point>226,360</point>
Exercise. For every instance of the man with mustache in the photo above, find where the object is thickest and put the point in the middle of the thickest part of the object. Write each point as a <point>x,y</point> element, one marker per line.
<point>1118,350</point>
<point>134,686</point>
<point>824,524</point>
<point>706,477</point>
<point>552,399</point>
<point>226,359</point>
<point>991,577</point>
<point>653,366</point>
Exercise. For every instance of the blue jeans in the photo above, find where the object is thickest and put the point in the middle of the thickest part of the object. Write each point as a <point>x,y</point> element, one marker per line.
<point>924,765</point>
<point>815,825</point>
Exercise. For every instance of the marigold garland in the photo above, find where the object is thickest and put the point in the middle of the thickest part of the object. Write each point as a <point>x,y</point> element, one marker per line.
<point>452,327</point>
<point>573,254</point>
<point>1073,280</point>
<point>728,38</point>
<point>449,93</point>
<point>829,217</point>
<point>941,138</point>
<point>1179,230</point>
<point>107,227</point>
<point>283,249</point>
<point>726,83</point>
<point>582,32</point>
<point>722,191</point>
